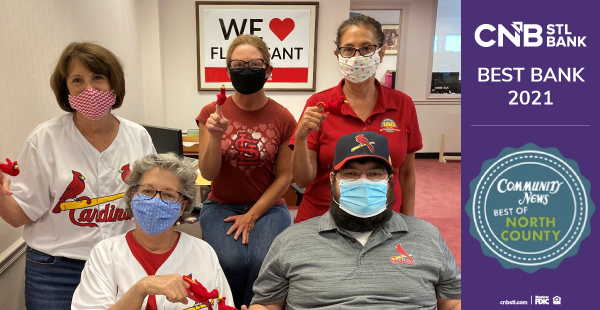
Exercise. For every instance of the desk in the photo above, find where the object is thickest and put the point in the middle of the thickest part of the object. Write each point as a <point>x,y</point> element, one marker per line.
<point>190,151</point>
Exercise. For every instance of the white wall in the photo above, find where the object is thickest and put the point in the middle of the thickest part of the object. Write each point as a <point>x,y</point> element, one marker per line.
<point>177,32</point>
<point>33,34</point>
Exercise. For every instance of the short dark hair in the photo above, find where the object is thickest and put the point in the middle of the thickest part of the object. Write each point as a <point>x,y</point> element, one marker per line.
<point>97,59</point>
<point>361,20</point>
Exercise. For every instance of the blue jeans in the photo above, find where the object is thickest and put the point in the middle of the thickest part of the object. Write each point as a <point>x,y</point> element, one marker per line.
<point>50,281</point>
<point>241,262</point>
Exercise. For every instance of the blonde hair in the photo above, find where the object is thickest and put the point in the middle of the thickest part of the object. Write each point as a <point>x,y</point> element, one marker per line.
<point>97,59</point>
<point>249,39</point>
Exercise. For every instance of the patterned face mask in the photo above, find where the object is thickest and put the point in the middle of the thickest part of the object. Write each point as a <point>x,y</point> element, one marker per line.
<point>154,216</point>
<point>93,103</point>
<point>360,68</point>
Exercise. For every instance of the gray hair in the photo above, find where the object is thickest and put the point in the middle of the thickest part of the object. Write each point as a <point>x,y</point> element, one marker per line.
<point>183,170</point>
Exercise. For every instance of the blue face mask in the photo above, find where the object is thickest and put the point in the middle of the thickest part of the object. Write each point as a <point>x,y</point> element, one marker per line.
<point>154,216</point>
<point>363,197</point>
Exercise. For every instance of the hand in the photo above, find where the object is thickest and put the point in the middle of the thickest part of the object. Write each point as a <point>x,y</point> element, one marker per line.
<point>216,125</point>
<point>244,307</point>
<point>311,120</point>
<point>242,226</point>
<point>171,286</point>
<point>4,185</point>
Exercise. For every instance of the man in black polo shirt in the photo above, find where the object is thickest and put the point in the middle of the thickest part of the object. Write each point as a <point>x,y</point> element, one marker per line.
<point>360,254</point>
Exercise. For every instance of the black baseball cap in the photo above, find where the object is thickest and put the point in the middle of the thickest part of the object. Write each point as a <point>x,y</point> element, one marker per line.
<point>360,145</point>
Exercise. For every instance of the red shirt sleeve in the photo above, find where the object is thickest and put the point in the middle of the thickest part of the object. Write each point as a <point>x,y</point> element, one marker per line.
<point>290,126</point>
<point>415,141</point>
<point>205,113</point>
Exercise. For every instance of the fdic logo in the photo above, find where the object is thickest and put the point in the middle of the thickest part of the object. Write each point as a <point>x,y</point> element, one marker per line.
<point>542,300</point>
<point>557,35</point>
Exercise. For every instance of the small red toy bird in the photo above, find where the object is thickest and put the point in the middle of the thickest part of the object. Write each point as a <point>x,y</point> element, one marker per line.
<point>333,105</point>
<point>221,100</point>
<point>362,140</point>
<point>11,168</point>
<point>74,188</point>
<point>124,171</point>
<point>201,295</point>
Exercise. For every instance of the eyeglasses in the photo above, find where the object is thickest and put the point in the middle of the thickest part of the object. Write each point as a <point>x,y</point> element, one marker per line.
<point>372,174</point>
<point>253,64</point>
<point>365,50</point>
<point>147,193</point>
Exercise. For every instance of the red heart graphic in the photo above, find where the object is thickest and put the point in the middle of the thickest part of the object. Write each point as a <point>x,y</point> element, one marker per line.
<point>282,28</point>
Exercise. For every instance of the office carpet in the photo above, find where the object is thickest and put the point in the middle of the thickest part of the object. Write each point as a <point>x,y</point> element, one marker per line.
<point>437,199</point>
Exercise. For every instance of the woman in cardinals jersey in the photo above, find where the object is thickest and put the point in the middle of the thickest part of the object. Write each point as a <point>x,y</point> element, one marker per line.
<point>144,268</point>
<point>69,194</point>
<point>370,107</point>
<point>243,151</point>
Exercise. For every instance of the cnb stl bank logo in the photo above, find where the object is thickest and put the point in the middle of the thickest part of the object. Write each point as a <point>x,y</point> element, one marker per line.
<point>530,208</point>
<point>556,35</point>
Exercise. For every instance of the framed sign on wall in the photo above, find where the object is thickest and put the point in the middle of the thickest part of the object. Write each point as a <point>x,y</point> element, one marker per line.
<point>288,28</point>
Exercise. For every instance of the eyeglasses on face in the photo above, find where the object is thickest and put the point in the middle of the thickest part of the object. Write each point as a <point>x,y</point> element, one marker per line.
<point>372,174</point>
<point>253,64</point>
<point>365,50</point>
<point>147,193</point>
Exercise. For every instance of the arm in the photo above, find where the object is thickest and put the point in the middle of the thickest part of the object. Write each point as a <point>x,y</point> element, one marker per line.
<point>278,306</point>
<point>406,177</point>
<point>304,161</point>
<point>171,286</point>
<point>283,177</point>
<point>448,304</point>
<point>209,146</point>
<point>10,211</point>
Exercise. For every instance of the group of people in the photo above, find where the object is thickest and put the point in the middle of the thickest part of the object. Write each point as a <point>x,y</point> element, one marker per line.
<point>99,207</point>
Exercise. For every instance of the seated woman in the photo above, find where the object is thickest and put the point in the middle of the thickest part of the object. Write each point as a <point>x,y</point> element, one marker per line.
<point>143,268</point>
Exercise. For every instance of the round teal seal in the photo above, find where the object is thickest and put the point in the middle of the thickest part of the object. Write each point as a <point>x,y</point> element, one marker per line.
<point>530,208</point>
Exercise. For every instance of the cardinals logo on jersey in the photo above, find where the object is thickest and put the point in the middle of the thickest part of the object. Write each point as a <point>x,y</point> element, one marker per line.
<point>72,202</point>
<point>124,171</point>
<point>74,188</point>
<point>403,258</point>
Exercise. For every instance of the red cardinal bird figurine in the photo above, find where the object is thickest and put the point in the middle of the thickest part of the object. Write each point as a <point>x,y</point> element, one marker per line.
<point>362,140</point>
<point>201,295</point>
<point>221,100</point>
<point>11,168</point>
<point>333,105</point>
<point>74,188</point>
<point>124,171</point>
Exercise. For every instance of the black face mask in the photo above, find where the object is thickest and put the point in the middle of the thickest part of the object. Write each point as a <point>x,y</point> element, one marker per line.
<point>248,81</point>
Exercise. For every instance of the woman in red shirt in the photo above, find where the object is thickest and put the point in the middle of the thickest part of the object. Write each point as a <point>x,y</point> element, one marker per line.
<point>370,106</point>
<point>244,152</point>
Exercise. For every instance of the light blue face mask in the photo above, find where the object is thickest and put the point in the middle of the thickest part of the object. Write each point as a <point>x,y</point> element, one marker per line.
<point>363,197</point>
<point>154,216</point>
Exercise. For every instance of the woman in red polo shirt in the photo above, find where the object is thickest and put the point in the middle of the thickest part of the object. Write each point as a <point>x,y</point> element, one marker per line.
<point>370,106</point>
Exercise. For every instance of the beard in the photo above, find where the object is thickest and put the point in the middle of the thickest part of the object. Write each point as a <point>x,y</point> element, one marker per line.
<point>350,222</point>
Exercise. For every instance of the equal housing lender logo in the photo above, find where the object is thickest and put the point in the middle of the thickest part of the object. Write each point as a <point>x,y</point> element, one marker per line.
<point>530,208</point>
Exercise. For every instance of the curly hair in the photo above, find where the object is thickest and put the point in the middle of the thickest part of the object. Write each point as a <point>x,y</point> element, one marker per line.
<point>183,170</point>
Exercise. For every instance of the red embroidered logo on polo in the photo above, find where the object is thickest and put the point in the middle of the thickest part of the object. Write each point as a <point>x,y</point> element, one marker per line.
<point>404,258</point>
<point>93,103</point>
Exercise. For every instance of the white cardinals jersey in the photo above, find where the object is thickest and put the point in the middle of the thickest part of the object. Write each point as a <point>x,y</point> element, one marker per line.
<point>71,192</point>
<point>112,270</point>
